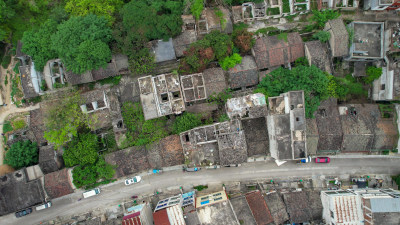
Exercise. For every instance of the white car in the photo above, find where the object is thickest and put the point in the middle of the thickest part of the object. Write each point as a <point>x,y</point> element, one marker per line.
<point>133,180</point>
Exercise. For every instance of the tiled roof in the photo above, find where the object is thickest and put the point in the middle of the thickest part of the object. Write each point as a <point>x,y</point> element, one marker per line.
<point>318,55</point>
<point>244,74</point>
<point>132,219</point>
<point>259,208</point>
<point>58,184</point>
<point>270,51</point>
<point>340,37</point>
<point>161,217</point>
<point>37,125</point>
<point>214,80</point>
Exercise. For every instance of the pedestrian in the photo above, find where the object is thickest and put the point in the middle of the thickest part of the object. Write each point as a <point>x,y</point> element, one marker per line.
<point>2,134</point>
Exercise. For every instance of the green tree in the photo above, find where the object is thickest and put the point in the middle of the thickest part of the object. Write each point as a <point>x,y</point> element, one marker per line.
<point>231,61</point>
<point>321,17</point>
<point>105,8</point>
<point>196,8</point>
<point>323,36</point>
<point>312,80</point>
<point>373,73</point>
<point>88,176</point>
<point>302,61</point>
<point>22,154</point>
<point>63,119</point>
<point>81,150</point>
<point>155,19</point>
<point>37,44</point>
<point>186,122</point>
<point>78,36</point>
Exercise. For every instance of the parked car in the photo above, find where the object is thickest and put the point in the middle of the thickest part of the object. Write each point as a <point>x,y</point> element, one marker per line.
<point>133,180</point>
<point>90,193</point>
<point>194,169</point>
<point>322,160</point>
<point>23,212</point>
<point>44,206</point>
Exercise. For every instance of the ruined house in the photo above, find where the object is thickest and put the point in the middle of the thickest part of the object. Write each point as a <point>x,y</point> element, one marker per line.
<point>249,106</point>
<point>287,126</point>
<point>161,95</point>
<point>49,159</point>
<point>272,51</point>
<point>209,21</point>
<point>187,37</point>
<point>259,208</point>
<point>244,74</point>
<point>117,66</point>
<point>339,40</point>
<point>317,54</point>
<point>217,144</point>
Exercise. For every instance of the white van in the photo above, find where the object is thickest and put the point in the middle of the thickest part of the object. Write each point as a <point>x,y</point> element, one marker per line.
<point>91,193</point>
<point>44,206</point>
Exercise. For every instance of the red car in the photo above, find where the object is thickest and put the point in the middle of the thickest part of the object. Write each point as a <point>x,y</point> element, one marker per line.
<point>322,160</point>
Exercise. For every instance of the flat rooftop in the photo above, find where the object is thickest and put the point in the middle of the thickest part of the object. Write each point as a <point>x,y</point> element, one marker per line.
<point>219,213</point>
<point>368,40</point>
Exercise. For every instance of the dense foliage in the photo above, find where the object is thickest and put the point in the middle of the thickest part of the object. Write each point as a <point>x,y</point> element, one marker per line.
<point>214,46</point>
<point>104,8</point>
<point>82,43</point>
<point>312,80</point>
<point>37,43</point>
<point>231,61</point>
<point>82,150</point>
<point>186,122</point>
<point>90,176</point>
<point>243,40</point>
<point>22,154</point>
<point>302,61</point>
<point>196,8</point>
<point>141,131</point>
<point>323,36</point>
<point>63,119</point>
<point>373,73</point>
<point>321,17</point>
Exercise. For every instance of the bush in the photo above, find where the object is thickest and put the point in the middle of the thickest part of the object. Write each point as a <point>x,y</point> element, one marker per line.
<point>302,61</point>
<point>6,61</point>
<point>322,36</point>
<point>186,122</point>
<point>22,154</point>
<point>373,73</point>
<point>197,8</point>
<point>19,124</point>
<point>111,80</point>
<point>243,40</point>
<point>7,127</point>
<point>231,61</point>
<point>88,176</point>
<point>221,97</point>
<point>200,187</point>
<point>82,150</point>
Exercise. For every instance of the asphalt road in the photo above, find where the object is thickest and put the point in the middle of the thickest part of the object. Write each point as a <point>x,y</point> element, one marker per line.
<point>114,194</point>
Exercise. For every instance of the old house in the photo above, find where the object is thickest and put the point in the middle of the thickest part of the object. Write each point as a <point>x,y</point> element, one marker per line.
<point>317,54</point>
<point>31,80</point>
<point>367,43</point>
<point>272,51</point>
<point>339,40</point>
<point>287,126</point>
<point>259,208</point>
<point>49,159</point>
<point>277,207</point>
<point>303,206</point>
<point>161,95</point>
<point>199,86</point>
<point>242,210</point>
<point>117,66</point>
<point>187,37</point>
<point>217,144</point>
<point>58,183</point>
<point>18,191</point>
<point>244,74</point>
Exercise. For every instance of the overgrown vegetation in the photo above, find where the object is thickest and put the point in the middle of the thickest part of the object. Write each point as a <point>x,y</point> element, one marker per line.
<point>321,17</point>
<point>302,61</point>
<point>346,88</point>
<point>22,154</point>
<point>231,61</point>
<point>323,36</point>
<point>373,73</point>
<point>243,40</point>
<point>111,80</point>
<point>221,97</point>
<point>185,122</point>
<point>7,127</point>
<point>141,131</point>
<point>196,8</point>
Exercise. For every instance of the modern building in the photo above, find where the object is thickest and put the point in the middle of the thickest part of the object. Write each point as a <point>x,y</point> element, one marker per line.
<point>138,215</point>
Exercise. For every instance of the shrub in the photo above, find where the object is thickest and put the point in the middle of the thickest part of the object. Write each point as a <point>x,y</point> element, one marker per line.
<point>302,61</point>
<point>221,97</point>
<point>19,124</point>
<point>6,61</point>
<point>22,154</point>
<point>323,36</point>
<point>7,127</point>
<point>373,73</point>
<point>186,122</point>
<point>243,40</point>
<point>231,61</point>
<point>196,8</point>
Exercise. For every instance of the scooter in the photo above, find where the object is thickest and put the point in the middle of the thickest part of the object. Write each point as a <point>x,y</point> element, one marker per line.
<point>135,196</point>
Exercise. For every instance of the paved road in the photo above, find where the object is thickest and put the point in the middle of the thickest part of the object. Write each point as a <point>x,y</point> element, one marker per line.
<point>117,192</point>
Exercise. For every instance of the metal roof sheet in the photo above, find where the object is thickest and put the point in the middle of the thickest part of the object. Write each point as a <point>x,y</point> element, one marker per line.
<point>385,204</point>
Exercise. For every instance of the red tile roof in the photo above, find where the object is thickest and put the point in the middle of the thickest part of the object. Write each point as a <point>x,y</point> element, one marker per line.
<point>161,217</point>
<point>57,184</point>
<point>259,208</point>
<point>132,219</point>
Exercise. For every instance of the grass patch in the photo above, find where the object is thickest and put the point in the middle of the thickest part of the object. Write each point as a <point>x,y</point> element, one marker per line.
<point>200,187</point>
<point>282,36</point>
<point>7,127</point>
<point>111,80</point>
<point>285,6</point>
<point>19,124</point>
<point>273,11</point>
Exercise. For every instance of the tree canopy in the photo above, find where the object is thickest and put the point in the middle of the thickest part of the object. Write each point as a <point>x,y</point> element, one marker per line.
<point>105,8</point>
<point>22,154</point>
<point>88,176</point>
<point>373,73</point>
<point>63,119</point>
<point>321,17</point>
<point>82,43</point>
<point>312,80</point>
<point>81,150</point>
<point>154,19</point>
<point>323,36</point>
<point>37,43</point>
